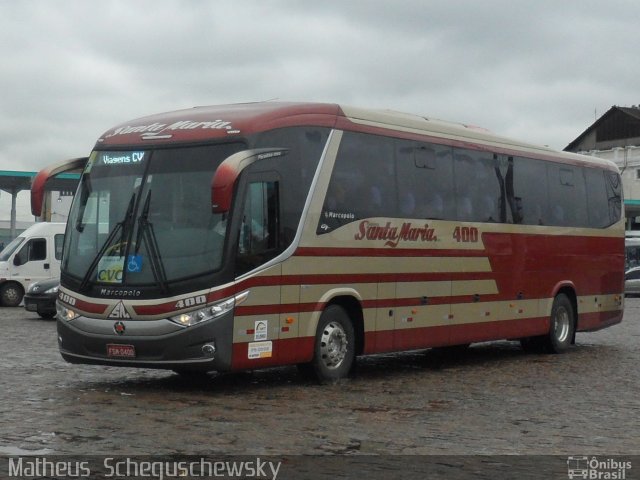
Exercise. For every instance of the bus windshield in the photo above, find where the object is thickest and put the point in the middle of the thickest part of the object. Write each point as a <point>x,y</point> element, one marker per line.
<point>144,217</point>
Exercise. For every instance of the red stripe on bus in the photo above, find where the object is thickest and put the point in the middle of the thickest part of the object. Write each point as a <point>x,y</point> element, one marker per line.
<point>90,307</point>
<point>350,278</point>
<point>298,350</point>
<point>273,309</point>
<point>330,279</point>
<point>420,301</point>
<point>385,252</point>
<point>524,266</point>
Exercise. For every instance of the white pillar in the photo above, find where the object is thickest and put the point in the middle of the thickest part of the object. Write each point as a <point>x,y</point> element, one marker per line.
<point>14,196</point>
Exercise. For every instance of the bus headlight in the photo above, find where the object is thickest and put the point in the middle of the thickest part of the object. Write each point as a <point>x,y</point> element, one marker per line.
<point>210,312</point>
<point>65,313</point>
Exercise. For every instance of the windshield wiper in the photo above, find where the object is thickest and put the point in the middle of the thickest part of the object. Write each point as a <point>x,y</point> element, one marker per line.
<point>146,233</point>
<point>118,227</point>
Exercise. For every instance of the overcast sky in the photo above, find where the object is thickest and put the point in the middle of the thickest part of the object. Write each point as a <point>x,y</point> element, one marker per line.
<point>537,71</point>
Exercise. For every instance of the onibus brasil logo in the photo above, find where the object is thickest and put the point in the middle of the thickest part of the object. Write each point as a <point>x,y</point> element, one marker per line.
<point>597,469</point>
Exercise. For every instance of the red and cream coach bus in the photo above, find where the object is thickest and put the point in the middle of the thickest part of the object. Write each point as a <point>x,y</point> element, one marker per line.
<point>247,236</point>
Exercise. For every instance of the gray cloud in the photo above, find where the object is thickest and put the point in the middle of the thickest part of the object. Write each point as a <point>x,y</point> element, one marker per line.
<point>536,71</point>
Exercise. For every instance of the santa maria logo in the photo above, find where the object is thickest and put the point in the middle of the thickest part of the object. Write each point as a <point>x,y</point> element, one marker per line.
<point>393,235</point>
<point>119,311</point>
<point>164,130</point>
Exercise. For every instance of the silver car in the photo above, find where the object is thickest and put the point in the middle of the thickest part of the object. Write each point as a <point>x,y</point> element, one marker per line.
<point>632,281</point>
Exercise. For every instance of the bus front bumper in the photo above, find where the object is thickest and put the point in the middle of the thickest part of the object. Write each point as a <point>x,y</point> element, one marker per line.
<point>148,343</point>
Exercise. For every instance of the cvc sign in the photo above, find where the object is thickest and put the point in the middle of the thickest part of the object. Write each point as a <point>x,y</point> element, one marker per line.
<point>110,269</point>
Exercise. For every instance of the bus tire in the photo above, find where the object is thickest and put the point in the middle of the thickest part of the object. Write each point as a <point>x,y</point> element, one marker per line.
<point>561,329</point>
<point>562,325</point>
<point>334,348</point>
<point>11,294</point>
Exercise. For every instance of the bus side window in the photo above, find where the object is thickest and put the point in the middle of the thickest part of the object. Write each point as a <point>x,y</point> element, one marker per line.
<point>258,239</point>
<point>567,195</point>
<point>425,180</point>
<point>363,182</point>
<point>479,190</point>
<point>528,187</point>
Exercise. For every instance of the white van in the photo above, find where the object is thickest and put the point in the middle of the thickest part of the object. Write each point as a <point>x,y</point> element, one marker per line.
<point>32,256</point>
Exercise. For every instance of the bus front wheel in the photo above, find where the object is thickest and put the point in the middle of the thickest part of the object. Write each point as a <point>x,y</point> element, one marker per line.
<point>334,349</point>
<point>561,329</point>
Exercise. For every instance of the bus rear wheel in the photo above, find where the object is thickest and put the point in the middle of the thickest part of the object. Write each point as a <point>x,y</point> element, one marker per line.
<point>561,329</point>
<point>334,351</point>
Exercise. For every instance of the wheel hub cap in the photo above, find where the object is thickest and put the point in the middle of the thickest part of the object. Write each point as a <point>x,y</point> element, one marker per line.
<point>562,323</point>
<point>333,345</point>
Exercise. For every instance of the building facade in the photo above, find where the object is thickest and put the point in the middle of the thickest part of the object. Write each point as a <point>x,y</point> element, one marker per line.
<point>615,136</point>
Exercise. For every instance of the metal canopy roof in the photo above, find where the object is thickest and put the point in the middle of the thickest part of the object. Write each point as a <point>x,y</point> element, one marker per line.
<point>14,181</point>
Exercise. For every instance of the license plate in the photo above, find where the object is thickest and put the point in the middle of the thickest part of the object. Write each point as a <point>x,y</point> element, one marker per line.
<point>121,351</point>
<point>31,307</point>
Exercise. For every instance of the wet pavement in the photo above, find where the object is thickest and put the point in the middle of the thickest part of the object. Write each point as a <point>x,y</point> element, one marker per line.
<point>491,399</point>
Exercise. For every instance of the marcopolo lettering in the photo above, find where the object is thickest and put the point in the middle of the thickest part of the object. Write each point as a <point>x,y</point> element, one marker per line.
<point>120,292</point>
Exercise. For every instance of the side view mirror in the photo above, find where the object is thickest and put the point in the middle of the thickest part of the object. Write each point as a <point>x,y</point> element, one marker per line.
<point>226,175</point>
<point>17,261</point>
<point>39,182</point>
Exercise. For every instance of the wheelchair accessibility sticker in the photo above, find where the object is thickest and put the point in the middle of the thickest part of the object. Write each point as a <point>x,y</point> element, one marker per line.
<point>134,263</point>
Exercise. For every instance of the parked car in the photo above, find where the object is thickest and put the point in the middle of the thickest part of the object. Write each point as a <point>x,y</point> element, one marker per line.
<point>632,281</point>
<point>631,252</point>
<point>41,297</point>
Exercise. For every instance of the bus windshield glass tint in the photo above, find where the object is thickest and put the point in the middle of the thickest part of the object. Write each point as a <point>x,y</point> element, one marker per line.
<point>144,217</point>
